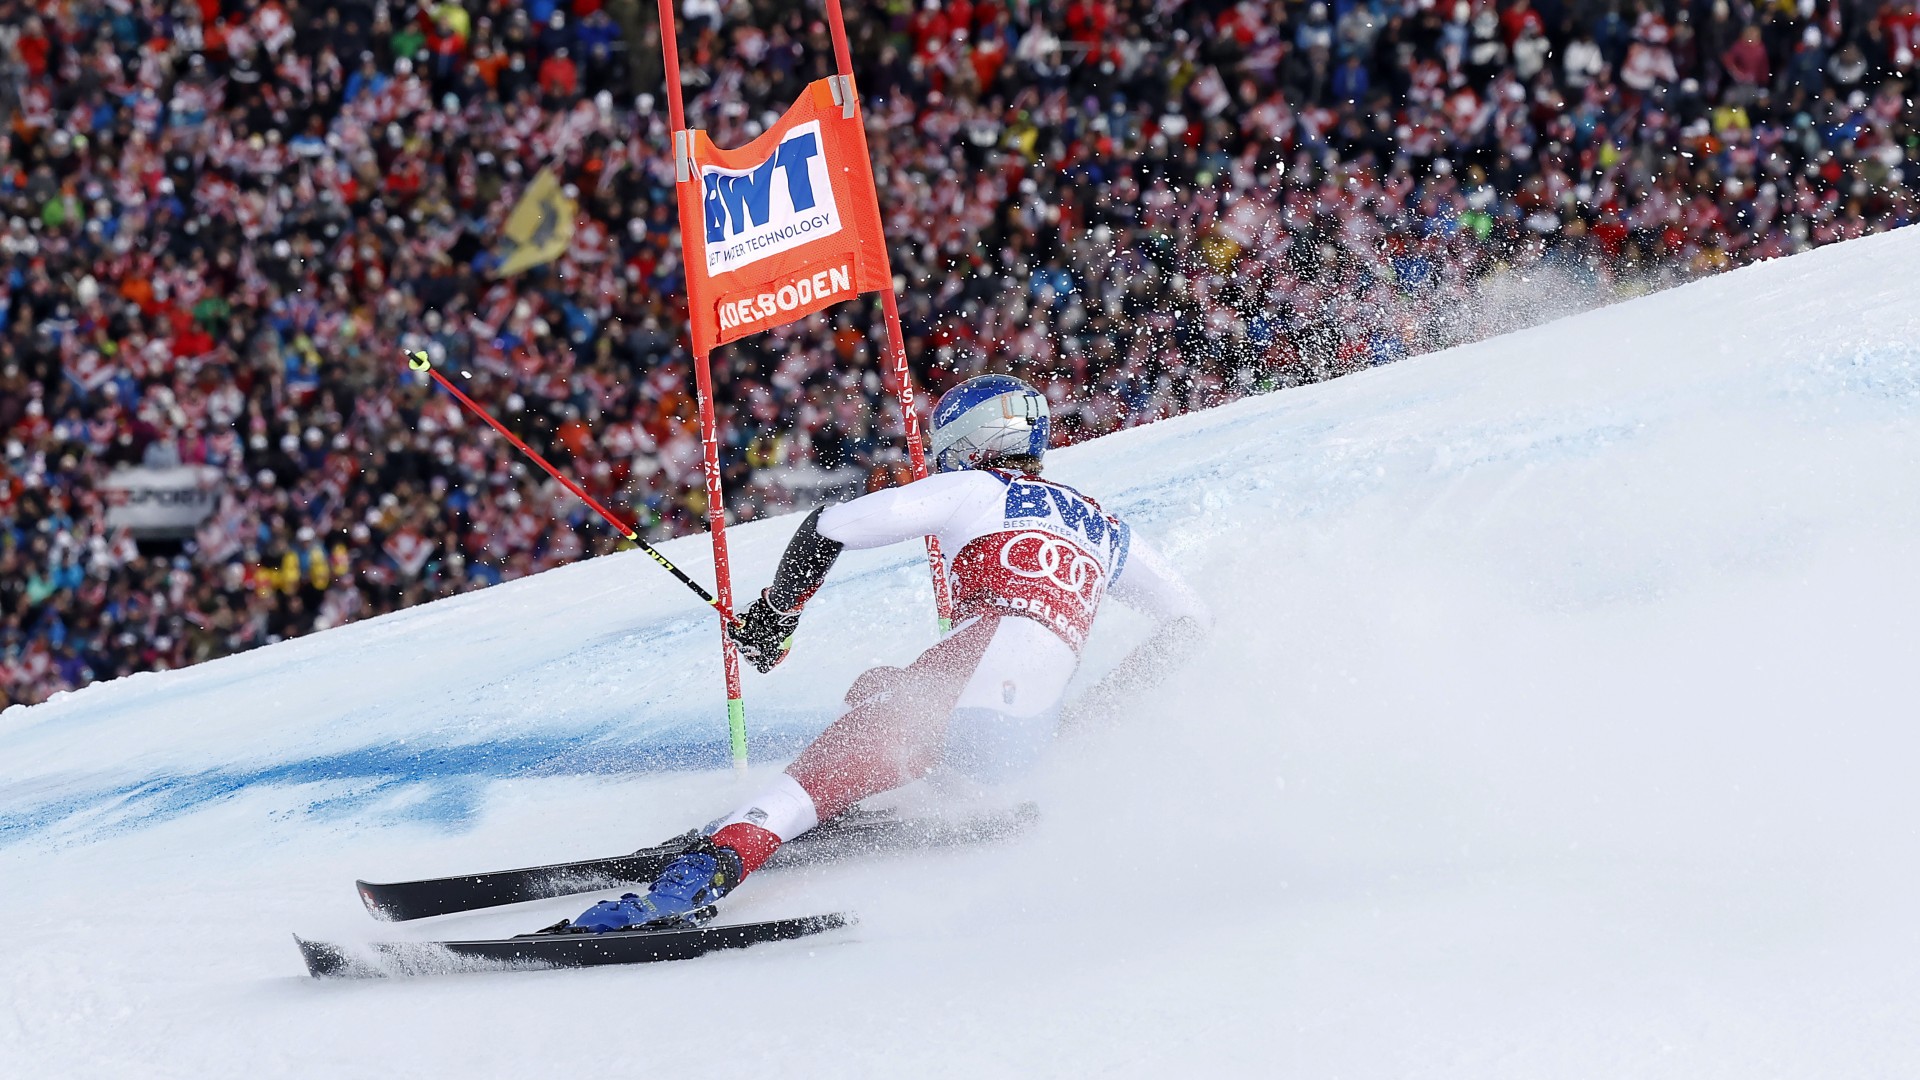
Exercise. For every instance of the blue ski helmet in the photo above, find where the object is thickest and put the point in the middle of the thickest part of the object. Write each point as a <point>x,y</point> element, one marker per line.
<point>988,416</point>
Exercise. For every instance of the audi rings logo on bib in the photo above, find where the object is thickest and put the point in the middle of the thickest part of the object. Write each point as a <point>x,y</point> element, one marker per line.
<point>1040,575</point>
<point>1060,563</point>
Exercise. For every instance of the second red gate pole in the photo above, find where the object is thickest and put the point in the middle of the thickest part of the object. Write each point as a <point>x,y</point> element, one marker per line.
<point>903,387</point>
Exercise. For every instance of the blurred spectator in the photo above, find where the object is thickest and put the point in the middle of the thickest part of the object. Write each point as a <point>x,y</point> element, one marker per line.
<point>1746,60</point>
<point>223,221</point>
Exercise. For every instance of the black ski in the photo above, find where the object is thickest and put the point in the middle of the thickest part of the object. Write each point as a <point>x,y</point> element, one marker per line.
<point>854,833</point>
<point>535,951</point>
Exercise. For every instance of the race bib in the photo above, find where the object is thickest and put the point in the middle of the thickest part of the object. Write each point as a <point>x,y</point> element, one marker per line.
<point>1051,562</point>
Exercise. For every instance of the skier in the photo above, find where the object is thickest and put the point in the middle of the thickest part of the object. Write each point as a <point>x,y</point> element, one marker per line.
<point>1033,559</point>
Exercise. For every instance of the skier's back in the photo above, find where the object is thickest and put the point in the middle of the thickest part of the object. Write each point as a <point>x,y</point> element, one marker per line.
<point>1032,560</point>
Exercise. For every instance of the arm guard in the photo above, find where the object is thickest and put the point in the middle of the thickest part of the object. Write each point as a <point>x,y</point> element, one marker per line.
<point>808,557</point>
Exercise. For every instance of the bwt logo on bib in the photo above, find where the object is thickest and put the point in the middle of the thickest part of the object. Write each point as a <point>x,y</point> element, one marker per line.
<point>785,202</point>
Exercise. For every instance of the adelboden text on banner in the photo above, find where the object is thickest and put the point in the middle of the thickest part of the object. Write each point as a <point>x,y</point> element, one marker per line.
<point>782,227</point>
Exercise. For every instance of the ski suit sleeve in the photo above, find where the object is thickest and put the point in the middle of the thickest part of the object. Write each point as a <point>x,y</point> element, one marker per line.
<point>1149,584</point>
<point>922,508</point>
<point>884,517</point>
<point>803,566</point>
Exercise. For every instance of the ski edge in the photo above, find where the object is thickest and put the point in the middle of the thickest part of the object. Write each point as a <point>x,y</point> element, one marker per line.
<point>389,959</point>
<point>527,884</point>
<point>393,902</point>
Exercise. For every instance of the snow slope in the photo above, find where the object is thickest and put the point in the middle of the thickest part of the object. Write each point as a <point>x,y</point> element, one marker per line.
<point>1559,723</point>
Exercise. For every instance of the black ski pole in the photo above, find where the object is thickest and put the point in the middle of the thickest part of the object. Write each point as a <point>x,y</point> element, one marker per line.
<point>420,361</point>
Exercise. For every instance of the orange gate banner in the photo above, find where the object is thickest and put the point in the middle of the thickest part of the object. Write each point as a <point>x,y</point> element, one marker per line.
<point>783,227</point>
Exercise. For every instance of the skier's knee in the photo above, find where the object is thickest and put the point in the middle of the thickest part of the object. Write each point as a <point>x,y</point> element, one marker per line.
<point>873,683</point>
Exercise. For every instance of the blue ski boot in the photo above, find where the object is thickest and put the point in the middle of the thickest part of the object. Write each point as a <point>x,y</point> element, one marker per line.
<point>689,884</point>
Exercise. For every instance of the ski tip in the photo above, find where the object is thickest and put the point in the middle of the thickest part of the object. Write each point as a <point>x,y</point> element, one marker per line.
<point>374,907</point>
<point>326,960</point>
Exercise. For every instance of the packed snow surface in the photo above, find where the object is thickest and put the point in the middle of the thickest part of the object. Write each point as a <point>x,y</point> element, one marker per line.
<point>1559,722</point>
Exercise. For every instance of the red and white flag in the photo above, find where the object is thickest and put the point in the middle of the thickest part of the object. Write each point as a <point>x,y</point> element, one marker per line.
<point>782,227</point>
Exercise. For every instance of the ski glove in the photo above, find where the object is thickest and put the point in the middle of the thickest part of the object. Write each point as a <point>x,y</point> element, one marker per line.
<point>764,633</point>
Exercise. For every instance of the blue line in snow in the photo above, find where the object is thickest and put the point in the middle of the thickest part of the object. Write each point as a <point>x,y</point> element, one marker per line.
<point>437,785</point>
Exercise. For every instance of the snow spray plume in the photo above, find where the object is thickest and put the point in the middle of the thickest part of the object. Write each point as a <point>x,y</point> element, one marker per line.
<point>420,361</point>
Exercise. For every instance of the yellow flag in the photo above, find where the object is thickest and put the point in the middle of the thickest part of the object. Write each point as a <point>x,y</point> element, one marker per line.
<point>539,229</point>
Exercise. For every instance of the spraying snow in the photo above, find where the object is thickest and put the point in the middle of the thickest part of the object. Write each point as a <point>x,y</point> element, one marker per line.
<point>1557,722</point>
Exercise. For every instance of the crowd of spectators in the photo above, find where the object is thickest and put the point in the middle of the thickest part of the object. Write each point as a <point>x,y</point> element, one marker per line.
<point>223,221</point>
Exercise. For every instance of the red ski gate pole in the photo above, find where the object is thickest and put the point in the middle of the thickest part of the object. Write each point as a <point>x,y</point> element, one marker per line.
<point>902,376</point>
<point>896,343</point>
<point>709,437</point>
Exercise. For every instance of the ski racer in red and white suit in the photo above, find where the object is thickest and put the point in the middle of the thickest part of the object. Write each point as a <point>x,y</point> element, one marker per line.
<point>1033,561</point>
